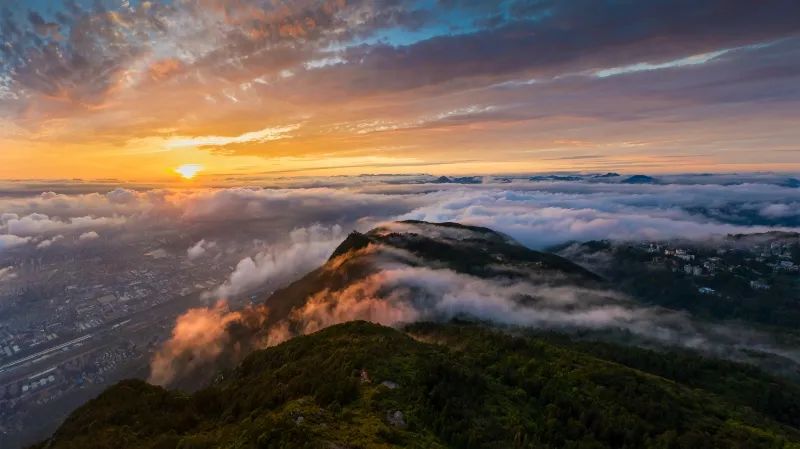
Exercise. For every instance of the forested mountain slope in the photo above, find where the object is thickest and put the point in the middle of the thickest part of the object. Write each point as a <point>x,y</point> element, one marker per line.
<point>360,385</point>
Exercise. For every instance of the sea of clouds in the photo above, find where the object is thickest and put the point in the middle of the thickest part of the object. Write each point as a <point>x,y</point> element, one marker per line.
<point>279,232</point>
<point>269,236</point>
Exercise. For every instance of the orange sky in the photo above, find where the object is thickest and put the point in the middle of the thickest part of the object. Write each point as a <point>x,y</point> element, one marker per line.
<point>249,88</point>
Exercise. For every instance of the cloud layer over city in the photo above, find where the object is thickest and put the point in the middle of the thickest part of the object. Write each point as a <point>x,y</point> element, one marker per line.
<point>537,213</point>
<point>242,243</point>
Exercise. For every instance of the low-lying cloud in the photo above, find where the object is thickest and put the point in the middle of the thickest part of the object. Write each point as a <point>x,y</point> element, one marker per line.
<point>306,249</point>
<point>538,214</point>
<point>7,273</point>
<point>403,290</point>
<point>9,241</point>
<point>86,236</point>
<point>199,249</point>
<point>36,224</point>
<point>396,295</point>
<point>202,340</point>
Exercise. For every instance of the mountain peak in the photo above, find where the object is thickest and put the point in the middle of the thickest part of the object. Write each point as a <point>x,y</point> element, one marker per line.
<point>354,241</point>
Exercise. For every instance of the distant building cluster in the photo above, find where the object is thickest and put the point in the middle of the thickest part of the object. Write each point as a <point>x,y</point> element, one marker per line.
<point>755,264</point>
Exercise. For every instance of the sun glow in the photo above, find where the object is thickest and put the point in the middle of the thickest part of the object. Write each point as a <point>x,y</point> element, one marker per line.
<point>188,171</point>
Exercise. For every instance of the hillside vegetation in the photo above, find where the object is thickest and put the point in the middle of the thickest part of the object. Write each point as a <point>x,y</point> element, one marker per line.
<point>360,385</point>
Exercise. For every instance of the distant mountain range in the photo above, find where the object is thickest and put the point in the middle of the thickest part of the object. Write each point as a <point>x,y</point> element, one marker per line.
<point>616,178</point>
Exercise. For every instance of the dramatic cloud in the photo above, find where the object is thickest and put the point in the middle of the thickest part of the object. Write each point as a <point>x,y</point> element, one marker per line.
<point>244,87</point>
<point>398,295</point>
<point>200,337</point>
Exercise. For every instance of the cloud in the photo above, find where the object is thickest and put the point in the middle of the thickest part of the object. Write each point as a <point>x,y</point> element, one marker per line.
<point>199,248</point>
<point>37,223</point>
<point>201,338</point>
<point>277,265</point>
<point>158,253</point>
<point>8,241</point>
<point>780,210</point>
<point>121,196</point>
<point>358,67</point>
<point>7,273</point>
<point>47,243</point>
<point>5,217</point>
<point>239,40</point>
<point>538,214</point>
<point>546,214</point>
<point>262,239</point>
<point>261,136</point>
<point>395,296</point>
<point>86,236</point>
<point>555,36</point>
<point>80,67</point>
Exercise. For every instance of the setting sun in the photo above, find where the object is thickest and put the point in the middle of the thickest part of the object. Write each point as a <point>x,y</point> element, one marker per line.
<point>188,171</point>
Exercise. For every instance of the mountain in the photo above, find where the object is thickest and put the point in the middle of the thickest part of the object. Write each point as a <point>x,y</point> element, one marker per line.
<point>413,271</point>
<point>470,250</point>
<point>639,179</point>
<point>555,178</point>
<point>791,182</point>
<point>458,180</point>
<point>460,365</point>
<point>361,385</point>
<point>747,277</point>
<point>397,273</point>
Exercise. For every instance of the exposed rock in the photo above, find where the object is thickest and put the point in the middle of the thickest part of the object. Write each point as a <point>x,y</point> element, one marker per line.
<point>396,418</point>
<point>389,384</point>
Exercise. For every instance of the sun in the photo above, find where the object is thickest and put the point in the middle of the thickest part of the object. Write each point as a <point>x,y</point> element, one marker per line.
<point>188,171</point>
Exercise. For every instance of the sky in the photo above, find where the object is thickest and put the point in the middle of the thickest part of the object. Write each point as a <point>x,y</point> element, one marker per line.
<point>240,89</point>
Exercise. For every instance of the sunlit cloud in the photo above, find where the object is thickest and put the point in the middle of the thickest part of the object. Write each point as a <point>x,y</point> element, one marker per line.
<point>687,61</point>
<point>261,136</point>
<point>89,93</point>
<point>646,66</point>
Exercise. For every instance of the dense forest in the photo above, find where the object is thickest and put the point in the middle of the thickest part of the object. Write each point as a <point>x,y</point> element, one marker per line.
<point>458,385</point>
